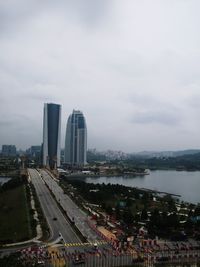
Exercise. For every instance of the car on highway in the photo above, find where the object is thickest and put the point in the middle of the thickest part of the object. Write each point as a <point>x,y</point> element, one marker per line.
<point>79,259</point>
<point>163,258</point>
<point>54,219</point>
<point>95,246</point>
<point>41,263</point>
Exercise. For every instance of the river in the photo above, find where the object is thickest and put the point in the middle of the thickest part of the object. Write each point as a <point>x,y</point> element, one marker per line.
<point>186,184</point>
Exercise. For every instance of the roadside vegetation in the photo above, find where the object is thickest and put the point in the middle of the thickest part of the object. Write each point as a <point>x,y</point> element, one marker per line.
<point>41,217</point>
<point>15,217</point>
<point>132,208</point>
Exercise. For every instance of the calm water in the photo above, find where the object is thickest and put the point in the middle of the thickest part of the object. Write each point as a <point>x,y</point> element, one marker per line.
<point>186,184</point>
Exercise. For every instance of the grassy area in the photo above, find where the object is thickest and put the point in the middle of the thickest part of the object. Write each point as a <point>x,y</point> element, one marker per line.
<point>14,216</point>
<point>41,217</point>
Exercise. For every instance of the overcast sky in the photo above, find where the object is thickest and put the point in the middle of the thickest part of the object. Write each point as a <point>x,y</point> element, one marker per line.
<point>131,66</point>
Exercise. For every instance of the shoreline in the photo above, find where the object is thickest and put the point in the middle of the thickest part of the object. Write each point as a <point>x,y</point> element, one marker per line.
<point>157,180</point>
<point>79,175</point>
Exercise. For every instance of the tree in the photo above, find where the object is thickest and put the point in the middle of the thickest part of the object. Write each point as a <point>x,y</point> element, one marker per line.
<point>197,211</point>
<point>128,217</point>
<point>129,203</point>
<point>144,215</point>
<point>117,212</point>
<point>109,209</point>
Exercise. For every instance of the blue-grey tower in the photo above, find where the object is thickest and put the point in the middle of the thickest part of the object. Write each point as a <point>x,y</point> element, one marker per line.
<point>76,139</point>
<point>51,135</point>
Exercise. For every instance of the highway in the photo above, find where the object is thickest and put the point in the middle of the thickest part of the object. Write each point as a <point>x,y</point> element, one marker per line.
<point>57,222</point>
<point>79,217</point>
<point>103,255</point>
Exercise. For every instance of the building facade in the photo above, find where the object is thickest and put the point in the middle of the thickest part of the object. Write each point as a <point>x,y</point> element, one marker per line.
<point>51,135</point>
<point>34,151</point>
<point>9,150</point>
<point>76,139</point>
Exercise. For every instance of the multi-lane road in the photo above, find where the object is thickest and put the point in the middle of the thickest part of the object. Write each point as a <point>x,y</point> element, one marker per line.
<point>79,217</point>
<point>46,186</point>
<point>59,226</point>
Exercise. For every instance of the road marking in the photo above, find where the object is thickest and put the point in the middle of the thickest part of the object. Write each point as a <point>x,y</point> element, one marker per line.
<point>85,244</point>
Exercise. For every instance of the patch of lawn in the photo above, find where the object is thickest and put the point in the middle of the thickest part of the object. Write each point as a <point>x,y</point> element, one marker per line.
<point>14,220</point>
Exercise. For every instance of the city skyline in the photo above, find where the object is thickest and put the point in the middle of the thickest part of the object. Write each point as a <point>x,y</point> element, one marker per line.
<point>132,68</point>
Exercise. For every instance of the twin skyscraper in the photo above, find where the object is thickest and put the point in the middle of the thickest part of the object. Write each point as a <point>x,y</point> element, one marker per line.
<point>75,138</point>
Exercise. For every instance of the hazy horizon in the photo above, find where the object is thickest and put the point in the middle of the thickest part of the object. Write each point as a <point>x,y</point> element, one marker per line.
<point>132,68</point>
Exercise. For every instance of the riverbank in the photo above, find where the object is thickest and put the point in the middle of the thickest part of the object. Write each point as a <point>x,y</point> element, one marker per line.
<point>182,183</point>
<point>99,175</point>
<point>132,208</point>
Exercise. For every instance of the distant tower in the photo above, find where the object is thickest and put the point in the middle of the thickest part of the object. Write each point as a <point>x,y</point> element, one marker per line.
<point>76,139</point>
<point>51,135</point>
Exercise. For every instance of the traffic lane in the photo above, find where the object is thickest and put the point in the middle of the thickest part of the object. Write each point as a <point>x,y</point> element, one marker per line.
<point>59,222</point>
<point>59,225</point>
<point>49,213</point>
<point>41,192</point>
<point>51,210</point>
<point>73,211</point>
<point>68,204</point>
<point>64,199</point>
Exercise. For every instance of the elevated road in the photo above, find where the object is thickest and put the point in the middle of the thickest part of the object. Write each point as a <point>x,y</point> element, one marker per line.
<point>79,217</point>
<point>58,224</point>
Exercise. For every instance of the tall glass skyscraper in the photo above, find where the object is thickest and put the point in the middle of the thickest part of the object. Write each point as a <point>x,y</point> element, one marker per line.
<point>76,139</point>
<point>51,135</point>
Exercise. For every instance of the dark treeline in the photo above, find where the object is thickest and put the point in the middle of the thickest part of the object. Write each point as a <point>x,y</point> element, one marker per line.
<point>13,183</point>
<point>185,162</point>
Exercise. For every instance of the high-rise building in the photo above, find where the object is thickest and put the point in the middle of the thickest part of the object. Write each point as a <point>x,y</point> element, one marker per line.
<point>51,135</point>
<point>76,139</point>
<point>34,151</point>
<point>8,150</point>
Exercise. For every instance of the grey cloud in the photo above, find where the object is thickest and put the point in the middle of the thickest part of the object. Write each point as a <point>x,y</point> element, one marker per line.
<point>15,14</point>
<point>159,117</point>
<point>89,11</point>
<point>5,123</point>
<point>39,95</point>
<point>194,100</point>
<point>114,60</point>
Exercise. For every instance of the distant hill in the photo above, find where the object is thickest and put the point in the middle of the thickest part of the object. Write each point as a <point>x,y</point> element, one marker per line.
<point>94,155</point>
<point>160,154</point>
<point>186,152</point>
<point>189,162</point>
